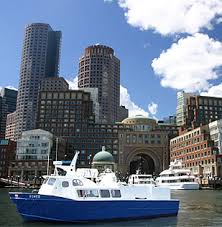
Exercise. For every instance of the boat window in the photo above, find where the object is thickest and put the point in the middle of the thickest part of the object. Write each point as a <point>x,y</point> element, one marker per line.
<point>45,180</point>
<point>144,177</point>
<point>61,172</point>
<point>187,180</point>
<point>172,181</point>
<point>65,184</point>
<point>104,193</point>
<point>51,181</point>
<point>88,193</point>
<point>77,182</point>
<point>115,193</point>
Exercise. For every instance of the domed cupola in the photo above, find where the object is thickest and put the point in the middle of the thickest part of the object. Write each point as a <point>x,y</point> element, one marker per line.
<point>103,156</point>
<point>103,160</point>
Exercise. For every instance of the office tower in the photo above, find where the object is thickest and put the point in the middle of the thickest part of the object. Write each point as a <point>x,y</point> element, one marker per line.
<point>195,110</point>
<point>54,84</point>
<point>7,105</point>
<point>181,107</point>
<point>202,110</point>
<point>123,113</point>
<point>64,113</point>
<point>99,68</point>
<point>94,97</point>
<point>70,115</point>
<point>40,59</point>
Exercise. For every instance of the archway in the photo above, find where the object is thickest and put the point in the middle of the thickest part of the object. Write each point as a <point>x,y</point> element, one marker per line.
<point>143,163</point>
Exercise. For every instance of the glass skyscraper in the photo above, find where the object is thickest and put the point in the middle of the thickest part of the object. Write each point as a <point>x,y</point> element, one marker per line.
<point>40,59</point>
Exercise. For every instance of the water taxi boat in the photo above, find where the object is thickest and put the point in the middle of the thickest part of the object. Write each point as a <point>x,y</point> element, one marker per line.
<point>67,196</point>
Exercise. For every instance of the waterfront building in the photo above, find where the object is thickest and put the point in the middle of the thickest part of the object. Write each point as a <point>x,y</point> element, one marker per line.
<point>10,126</point>
<point>197,151</point>
<point>34,145</point>
<point>7,154</point>
<point>36,149</point>
<point>7,105</point>
<point>40,59</point>
<point>100,68</point>
<point>145,146</point>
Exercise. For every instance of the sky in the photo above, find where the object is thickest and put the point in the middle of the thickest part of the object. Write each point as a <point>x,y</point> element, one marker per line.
<point>163,48</point>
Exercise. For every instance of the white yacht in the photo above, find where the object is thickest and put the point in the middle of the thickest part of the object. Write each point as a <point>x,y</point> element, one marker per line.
<point>177,177</point>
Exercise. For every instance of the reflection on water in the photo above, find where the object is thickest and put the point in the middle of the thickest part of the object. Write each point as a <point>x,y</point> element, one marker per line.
<point>197,208</point>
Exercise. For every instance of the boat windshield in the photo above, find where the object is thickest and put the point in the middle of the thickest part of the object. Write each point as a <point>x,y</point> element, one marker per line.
<point>77,182</point>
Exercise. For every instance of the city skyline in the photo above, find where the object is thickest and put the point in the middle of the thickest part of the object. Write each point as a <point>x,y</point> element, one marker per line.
<point>154,57</point>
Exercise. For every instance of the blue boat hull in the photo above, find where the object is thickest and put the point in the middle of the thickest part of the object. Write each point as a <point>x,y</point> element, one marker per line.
<point>35,207</point>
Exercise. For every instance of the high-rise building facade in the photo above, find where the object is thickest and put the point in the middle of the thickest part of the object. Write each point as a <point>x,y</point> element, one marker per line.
<point>201,110</point>
<point>7,105</point>
<point>54,84</point>
<point>99,68</point>
<point>123,113</point>
<point>195,110</point>
<point>70,115</point>
<point>181,107</point>
<point>10,126</point>
<point>40,59</point>
<point>64,113</point>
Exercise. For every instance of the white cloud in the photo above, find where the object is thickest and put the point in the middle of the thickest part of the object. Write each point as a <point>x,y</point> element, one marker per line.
<point>174,16</point>
<point>146,45</point>
<point>152,107</point>
<point>190,64</point>
<point>12,87</point>
<point>73,84</point>
<point>219,20</point>
<point>108,1</point>
<point>214,91</point>
<point>125,100</point>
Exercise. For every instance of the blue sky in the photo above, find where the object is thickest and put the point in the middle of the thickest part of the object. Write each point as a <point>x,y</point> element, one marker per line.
<point>188,36</point>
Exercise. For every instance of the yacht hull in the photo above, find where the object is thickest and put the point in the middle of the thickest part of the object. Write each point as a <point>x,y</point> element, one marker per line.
<point>182,186</point>
<point>35,207</point>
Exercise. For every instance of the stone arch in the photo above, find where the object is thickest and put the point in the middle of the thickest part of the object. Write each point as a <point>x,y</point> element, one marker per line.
<point>146,152</point>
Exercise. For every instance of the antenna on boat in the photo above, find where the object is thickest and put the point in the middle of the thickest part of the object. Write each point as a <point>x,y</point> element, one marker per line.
<point>73,163</point>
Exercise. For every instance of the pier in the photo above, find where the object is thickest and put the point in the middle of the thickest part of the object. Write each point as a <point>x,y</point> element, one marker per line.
<point>11,182</point>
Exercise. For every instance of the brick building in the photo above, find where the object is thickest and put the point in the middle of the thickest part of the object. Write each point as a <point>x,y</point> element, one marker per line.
<point>197,151</point>
<point>7,154</point>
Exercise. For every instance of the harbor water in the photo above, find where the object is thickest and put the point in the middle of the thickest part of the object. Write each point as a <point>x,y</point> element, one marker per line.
<point>197,208</point>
